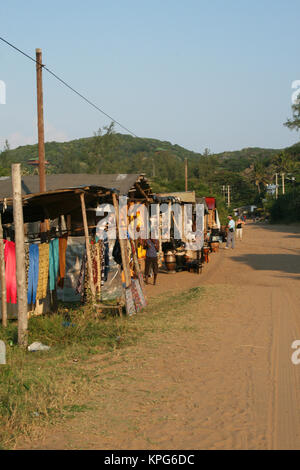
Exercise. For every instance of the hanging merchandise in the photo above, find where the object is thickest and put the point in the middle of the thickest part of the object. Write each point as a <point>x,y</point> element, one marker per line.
<point>117,253</point>
<point>106,257</point>
<point>139,290</point>
<point>129,302</point>
<point>33,273</point>
<point>98,286</point>
<point>53,262</point>
<point>135,295</point>
<point>43,271</point>
<point>63,241</point>
<point>102,262</point>
<point>10,271</point>
<point>81,278</point>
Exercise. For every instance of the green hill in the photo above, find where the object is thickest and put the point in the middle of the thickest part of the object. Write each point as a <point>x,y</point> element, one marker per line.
<point>163,163</point>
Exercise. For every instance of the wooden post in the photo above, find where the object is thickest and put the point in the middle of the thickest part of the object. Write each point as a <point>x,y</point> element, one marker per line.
<point>2,279</point>
<point>186,173</point>
<point>20,255</point>
<point>123,244</point>
<point>40,112</point>
<point>87,245</point>
<point>276,184</point>
<point>283,188</point>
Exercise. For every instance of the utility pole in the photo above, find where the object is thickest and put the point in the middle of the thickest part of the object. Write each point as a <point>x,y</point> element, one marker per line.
<point>283,188</point>
<point>186,173</point>
<point>276,184</point>
<point>20,255</point>
<point>228,196</point>
<point>40,112</point>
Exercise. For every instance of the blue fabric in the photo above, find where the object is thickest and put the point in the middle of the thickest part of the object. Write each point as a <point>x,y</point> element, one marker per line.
<point>33,273</point>
<point>53,262</point>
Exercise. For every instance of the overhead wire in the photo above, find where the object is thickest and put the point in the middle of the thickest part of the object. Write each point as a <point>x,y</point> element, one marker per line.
<point>68,86</point>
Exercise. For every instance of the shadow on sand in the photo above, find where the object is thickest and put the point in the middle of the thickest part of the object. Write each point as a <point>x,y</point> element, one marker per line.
<point>284,263</point>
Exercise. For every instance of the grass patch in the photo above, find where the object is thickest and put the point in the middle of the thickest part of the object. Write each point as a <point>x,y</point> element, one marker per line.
<point>38,388</point>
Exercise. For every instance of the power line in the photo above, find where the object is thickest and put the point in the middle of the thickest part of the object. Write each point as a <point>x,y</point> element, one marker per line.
<point>68,86</point>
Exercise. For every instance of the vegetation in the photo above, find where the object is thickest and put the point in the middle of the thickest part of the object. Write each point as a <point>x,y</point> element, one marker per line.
<point>38,388</point>
<point>248,171</point>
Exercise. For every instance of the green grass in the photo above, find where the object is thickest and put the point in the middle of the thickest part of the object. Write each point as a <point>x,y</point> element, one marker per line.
<point>38,388</point>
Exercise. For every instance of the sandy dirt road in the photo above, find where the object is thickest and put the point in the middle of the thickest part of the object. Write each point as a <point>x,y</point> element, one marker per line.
<point>222,378</point>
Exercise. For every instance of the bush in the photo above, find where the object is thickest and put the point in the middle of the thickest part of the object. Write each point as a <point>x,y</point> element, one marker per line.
<point>286,208</point>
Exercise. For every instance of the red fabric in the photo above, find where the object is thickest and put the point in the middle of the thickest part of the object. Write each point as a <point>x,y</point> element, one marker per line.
<point>10,271</point>
<point>211,202</point>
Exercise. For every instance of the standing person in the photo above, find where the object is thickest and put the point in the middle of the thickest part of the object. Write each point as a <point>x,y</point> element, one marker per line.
<point>239,228</point>
<point>230,235</point>
<point>152,248</point>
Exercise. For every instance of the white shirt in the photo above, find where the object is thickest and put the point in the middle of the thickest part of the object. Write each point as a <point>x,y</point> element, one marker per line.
<point>231,224</point>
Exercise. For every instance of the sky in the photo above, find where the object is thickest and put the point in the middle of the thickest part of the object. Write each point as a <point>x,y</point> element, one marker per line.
<point>199,74</point>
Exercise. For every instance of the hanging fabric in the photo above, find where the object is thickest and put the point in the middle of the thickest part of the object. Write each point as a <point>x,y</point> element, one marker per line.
<point>63,241</point>
<point>53,262</point>
<point>43,271</point>
<point>98,248</point>
<point>80,282</point>
<point>33,273</point>
<point>10,271</point>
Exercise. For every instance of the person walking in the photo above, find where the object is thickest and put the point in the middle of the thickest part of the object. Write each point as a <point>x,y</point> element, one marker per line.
<point>152,248</point>
<point>230,234</point>
<point>239,228</point>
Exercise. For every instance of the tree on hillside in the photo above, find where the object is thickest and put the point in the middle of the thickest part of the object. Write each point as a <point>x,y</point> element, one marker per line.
<point>259,174</point>
<point>294,123</point>
<point>102,148</point>
<point>284,163</point>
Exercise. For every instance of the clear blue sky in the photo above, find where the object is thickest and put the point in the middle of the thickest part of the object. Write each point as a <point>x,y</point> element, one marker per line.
<point>214,74</point>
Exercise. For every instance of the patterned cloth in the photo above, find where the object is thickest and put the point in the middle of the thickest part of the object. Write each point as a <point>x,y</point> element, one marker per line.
<point>53,262</point>
<point>33,273</point>
<point>43,271</point>
<point>81,279</point>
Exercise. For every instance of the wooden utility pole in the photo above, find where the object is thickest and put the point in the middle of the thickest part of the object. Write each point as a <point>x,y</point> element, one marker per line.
<point>283,187</point>
<point>87,245</point>
<point>228,196</point>
<point>20,255</point>
<point>276,184</point>
<point>40,112</point>
<point>186,173</point>
<point>2,279</point>
<point>41,134</point>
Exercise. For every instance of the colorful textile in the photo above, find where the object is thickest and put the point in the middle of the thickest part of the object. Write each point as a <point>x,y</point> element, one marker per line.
<point>43,271</point>
<point>33,273</point>
<point>135,295</point>
<point>137,284</point>
<point>129,302</point>
<point>53,262</point>
<point>10,271</point>
<point>63,241</point>
<point>81,278</point>
<point>98,248</point>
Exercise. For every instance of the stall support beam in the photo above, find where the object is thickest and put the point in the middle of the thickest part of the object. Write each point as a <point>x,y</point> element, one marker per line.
<point>20,256</point>
<point>87,245</point>
<point>2,279</point>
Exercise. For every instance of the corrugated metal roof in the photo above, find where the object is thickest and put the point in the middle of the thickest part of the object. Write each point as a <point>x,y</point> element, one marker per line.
<point>30,184</point>
<point>184,196</point>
